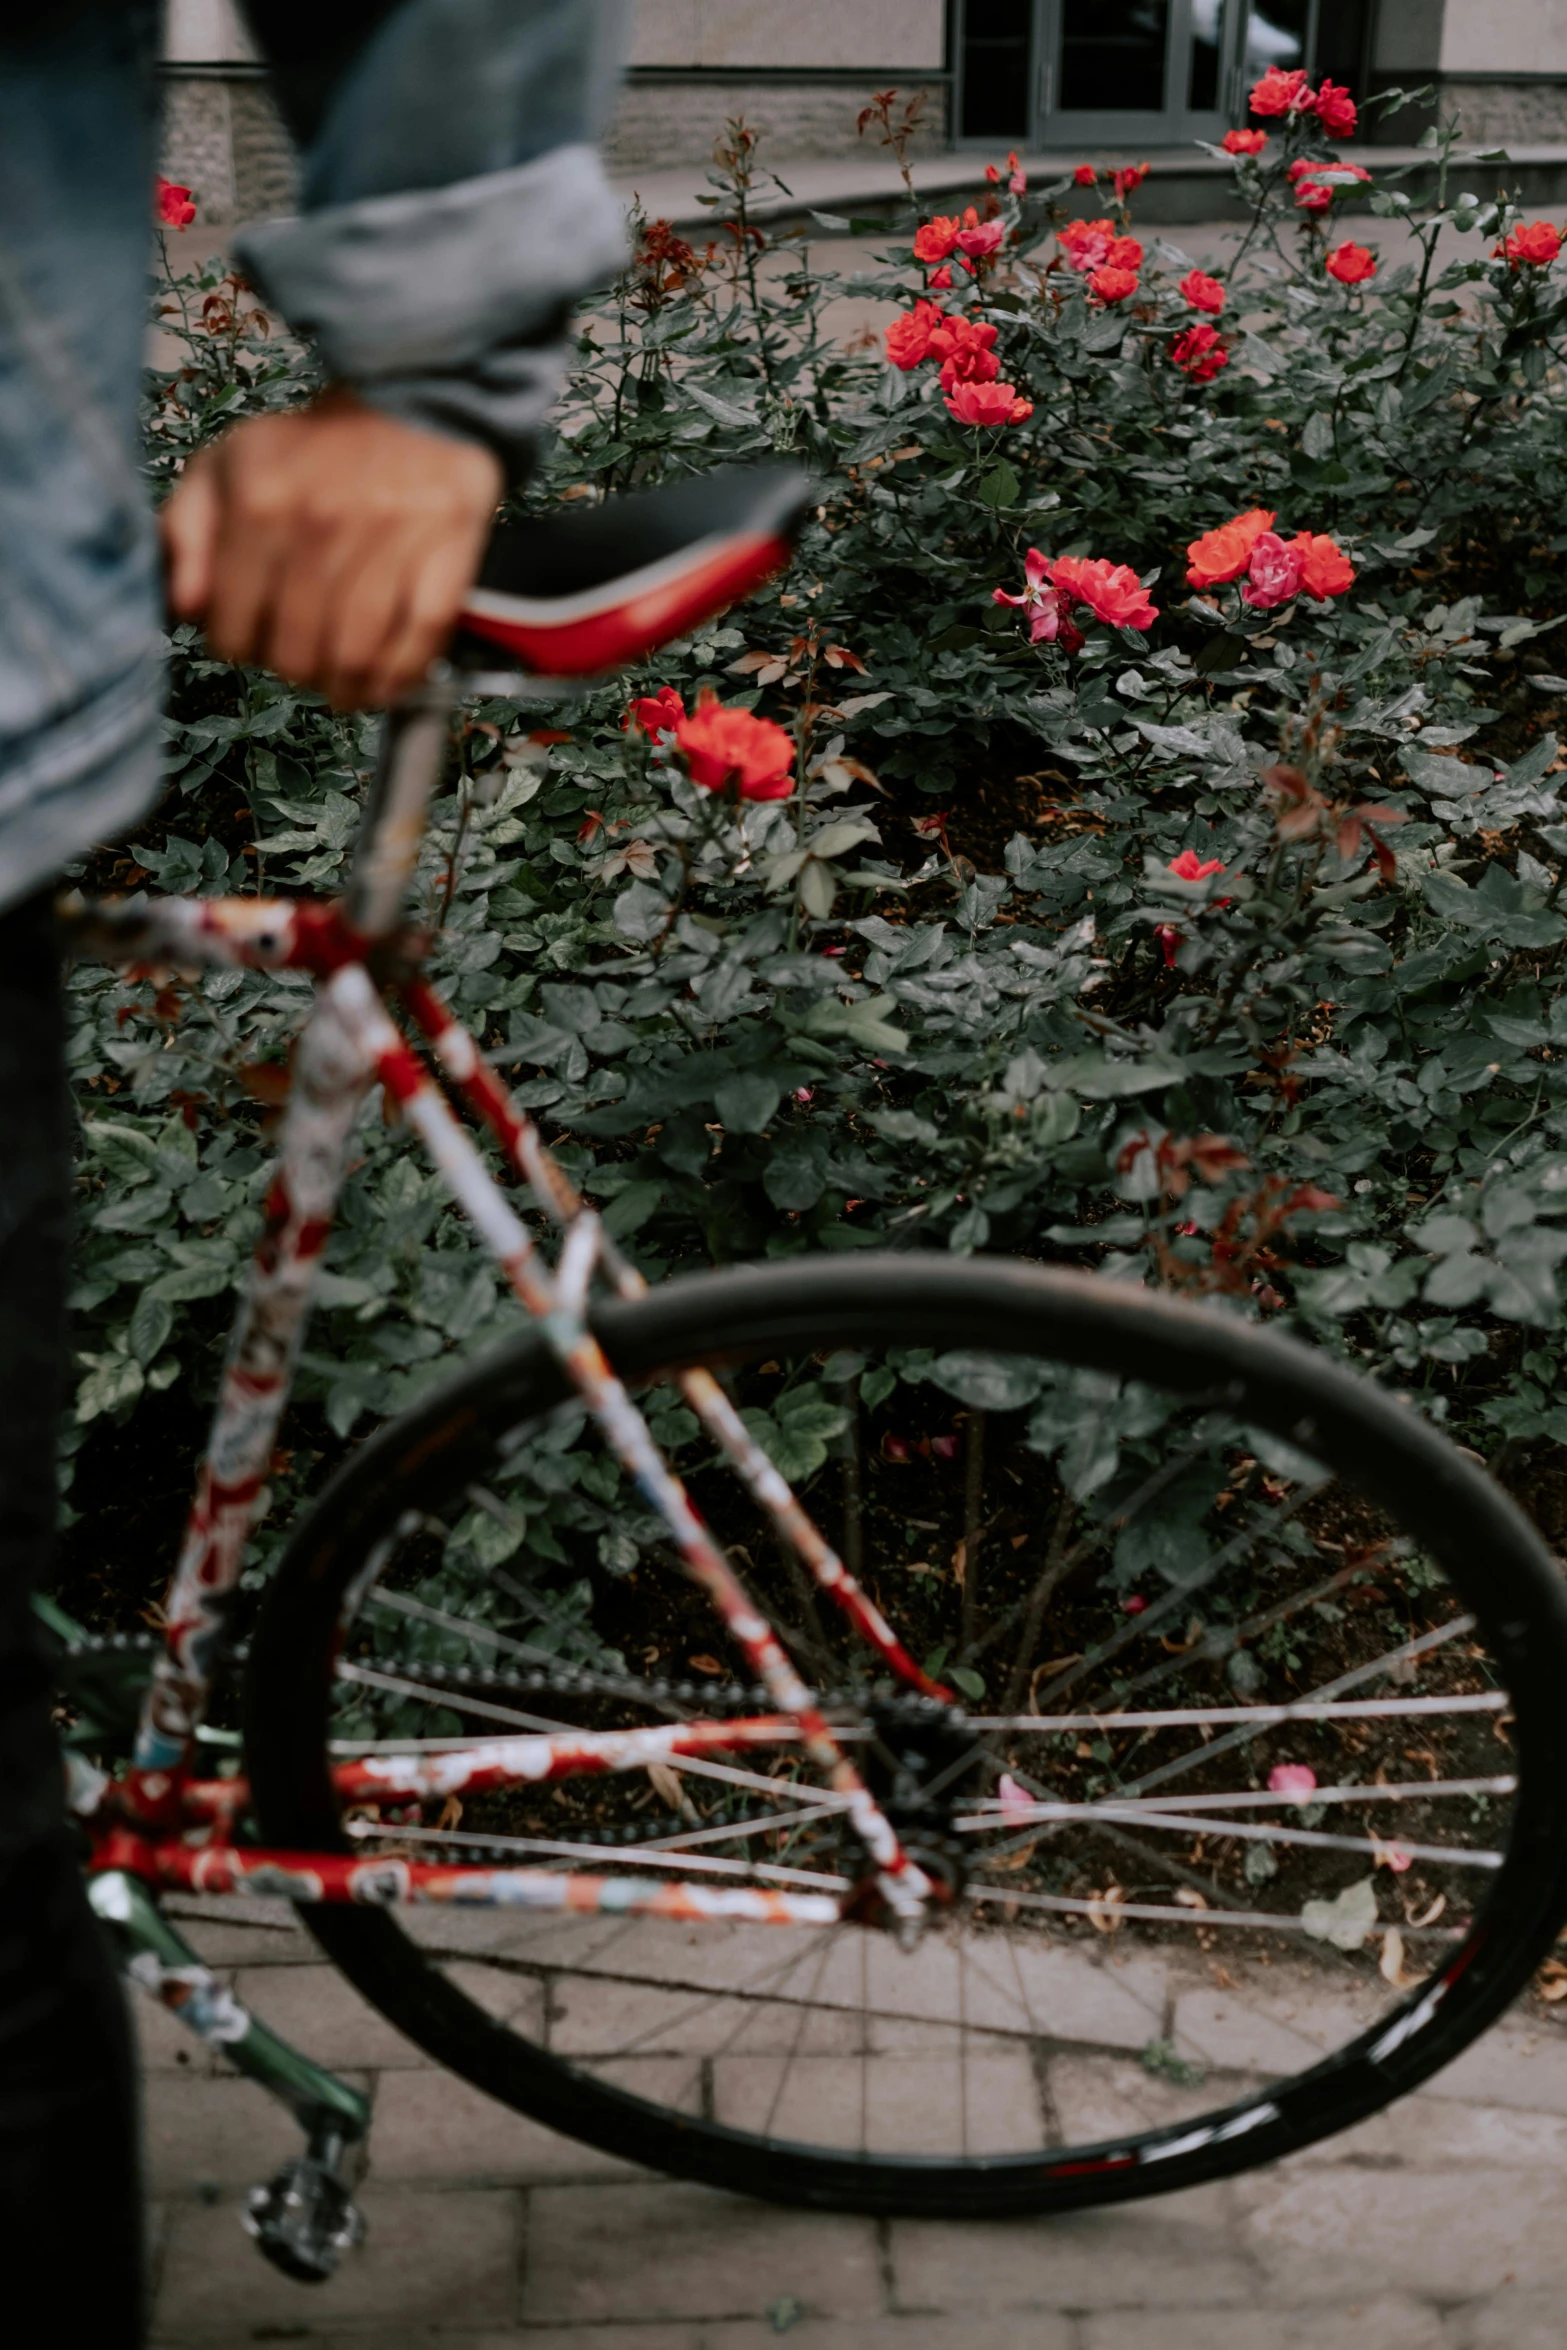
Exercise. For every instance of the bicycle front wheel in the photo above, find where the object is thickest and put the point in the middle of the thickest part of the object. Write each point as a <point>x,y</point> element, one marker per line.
<point>1252,1817</point>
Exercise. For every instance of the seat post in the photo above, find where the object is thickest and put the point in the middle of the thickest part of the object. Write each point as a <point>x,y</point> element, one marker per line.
<point>413,744</point>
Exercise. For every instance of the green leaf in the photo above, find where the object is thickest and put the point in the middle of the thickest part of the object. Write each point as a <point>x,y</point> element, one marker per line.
<point>114,1380</point>
<point>1001,487</point>
<point>796,1173</point>
<point>989,1383</point>
<point>630,1209</point>
<point>126,1153</point>
<point>747,1102</point>
<point>188,1281</point>
<point>150,1325</point>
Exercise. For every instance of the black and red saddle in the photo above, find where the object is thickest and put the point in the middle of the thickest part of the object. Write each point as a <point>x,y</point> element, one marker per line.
<point>589,588</point>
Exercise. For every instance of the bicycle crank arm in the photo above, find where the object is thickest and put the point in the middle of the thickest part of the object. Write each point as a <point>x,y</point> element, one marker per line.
<point>304,2218</point>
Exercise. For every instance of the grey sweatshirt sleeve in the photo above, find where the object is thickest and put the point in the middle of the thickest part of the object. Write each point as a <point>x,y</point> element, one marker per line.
<point>453,205</point>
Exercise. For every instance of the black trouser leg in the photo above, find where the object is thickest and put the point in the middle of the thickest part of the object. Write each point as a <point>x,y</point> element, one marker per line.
<point>70,2188</point>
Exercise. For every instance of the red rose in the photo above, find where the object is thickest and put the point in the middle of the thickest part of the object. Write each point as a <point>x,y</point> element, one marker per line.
<point>1200,352</point>
<point>1274,574</point>
<point>655,714</point>
<point>1188,866</point>
<point>1282,93</point>
<point>979,237</point>
<point>1244,142</point>
<point>726,748</point>
<point>936,239</point>
<point>1223,554</point>
<point>1336,111</point>
<point>940,280</point>
<point>174,206</point>
<point>1085,176</point>
<point>964,349</point>
<point>1203,293</point>
<point>1112,591</point>
<point>1325,568</point>
<point>1538,243</point>
<point>908,337</point>
<point>1113,285</point>
<point>1351,264</point>
<point>1124,253</point>
<point>1085,244</point>
<point>1131,176</point>
<point>988,403</point>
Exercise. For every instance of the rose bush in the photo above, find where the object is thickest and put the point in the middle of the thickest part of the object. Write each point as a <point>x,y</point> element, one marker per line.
<point>1167,846</point>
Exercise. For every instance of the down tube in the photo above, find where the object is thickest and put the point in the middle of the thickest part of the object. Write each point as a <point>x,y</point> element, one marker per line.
<point>330,1076</point>
<point>521,1141</point>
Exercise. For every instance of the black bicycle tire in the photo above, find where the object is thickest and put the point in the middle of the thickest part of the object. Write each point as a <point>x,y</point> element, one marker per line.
<point>1500,1567</point>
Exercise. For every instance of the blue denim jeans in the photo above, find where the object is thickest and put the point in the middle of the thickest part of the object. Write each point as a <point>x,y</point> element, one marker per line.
<point>455,206</point>
<point>78,565</point>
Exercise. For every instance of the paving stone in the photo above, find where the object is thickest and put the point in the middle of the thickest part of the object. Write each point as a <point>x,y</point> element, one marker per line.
<point>319,2012</point>
<point>1523,2063</point>
<point>517,2000</point>
<point>1097,2097</point>
<point>591,2016</point>
<point>429,2125</point>
<point>241,1931</point>
<point>1509,2321</point>
<point>1385,2323</point>
<point>429,2259</point>
<point>163,2043</point>
<point>213,2132</point>
<point>1038,2332</point>
<point>1175,2252</point>
<point>1274,2024</point>
<point>669,2251</point>
<point>1425,2133</point>
<point>1329,2234</point>
<point>912,2104</point>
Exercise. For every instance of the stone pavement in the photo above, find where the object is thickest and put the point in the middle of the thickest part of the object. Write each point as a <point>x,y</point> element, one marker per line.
<point>1435,2226</point>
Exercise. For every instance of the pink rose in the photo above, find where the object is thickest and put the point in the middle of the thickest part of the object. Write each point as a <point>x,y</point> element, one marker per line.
<point>1273,575</point>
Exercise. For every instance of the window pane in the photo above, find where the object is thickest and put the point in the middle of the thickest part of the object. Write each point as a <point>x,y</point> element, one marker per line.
<point>1202,80</point>
<point>1276,35</point>
<point>1112,56</point>
<point>997,41</point>
<point>1341,43</point>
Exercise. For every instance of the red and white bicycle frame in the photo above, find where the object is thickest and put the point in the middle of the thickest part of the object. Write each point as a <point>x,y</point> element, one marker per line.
<point>168,1827</point>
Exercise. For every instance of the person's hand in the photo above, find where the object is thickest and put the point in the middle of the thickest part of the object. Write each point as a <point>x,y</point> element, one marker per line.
<point>332,544</point>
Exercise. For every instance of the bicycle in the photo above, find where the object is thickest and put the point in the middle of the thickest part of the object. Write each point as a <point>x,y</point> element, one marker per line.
<point>891,1967</point>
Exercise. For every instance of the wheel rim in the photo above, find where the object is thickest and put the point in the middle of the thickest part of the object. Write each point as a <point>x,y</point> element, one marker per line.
<point>1108,2013</point>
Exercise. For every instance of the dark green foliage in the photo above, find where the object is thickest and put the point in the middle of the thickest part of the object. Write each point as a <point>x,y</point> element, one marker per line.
<point>930,1001</point>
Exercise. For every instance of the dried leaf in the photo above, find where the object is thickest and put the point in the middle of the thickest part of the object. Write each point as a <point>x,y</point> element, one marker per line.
<point>666,1785</point>
<point>1102,1909</point>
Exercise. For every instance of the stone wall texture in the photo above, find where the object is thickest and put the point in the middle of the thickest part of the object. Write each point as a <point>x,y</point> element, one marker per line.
<point>224,140</point>
<point>660,125</point>
<point>223,137</point>
<point>1527,113</point>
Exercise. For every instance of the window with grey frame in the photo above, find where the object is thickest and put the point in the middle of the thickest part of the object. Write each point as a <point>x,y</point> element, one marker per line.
<point>1046,72</point>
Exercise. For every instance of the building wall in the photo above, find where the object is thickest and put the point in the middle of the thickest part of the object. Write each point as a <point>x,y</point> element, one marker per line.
<point>1499,65</point>
<point>800,70</point>
<point>797,70</point>
<point>865,34</point>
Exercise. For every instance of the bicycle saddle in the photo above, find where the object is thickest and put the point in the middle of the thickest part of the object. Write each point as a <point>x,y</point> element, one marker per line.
<point>586,589</point>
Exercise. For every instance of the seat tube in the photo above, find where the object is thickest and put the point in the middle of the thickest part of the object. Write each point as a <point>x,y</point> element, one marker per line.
<point>329,1083</point>
<point>413,744</point>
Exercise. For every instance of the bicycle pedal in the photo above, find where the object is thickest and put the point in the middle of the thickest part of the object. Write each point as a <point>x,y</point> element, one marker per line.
<point>304,2219</point>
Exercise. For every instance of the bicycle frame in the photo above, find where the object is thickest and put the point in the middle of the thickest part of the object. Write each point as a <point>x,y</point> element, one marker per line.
<point>163,1826</point>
